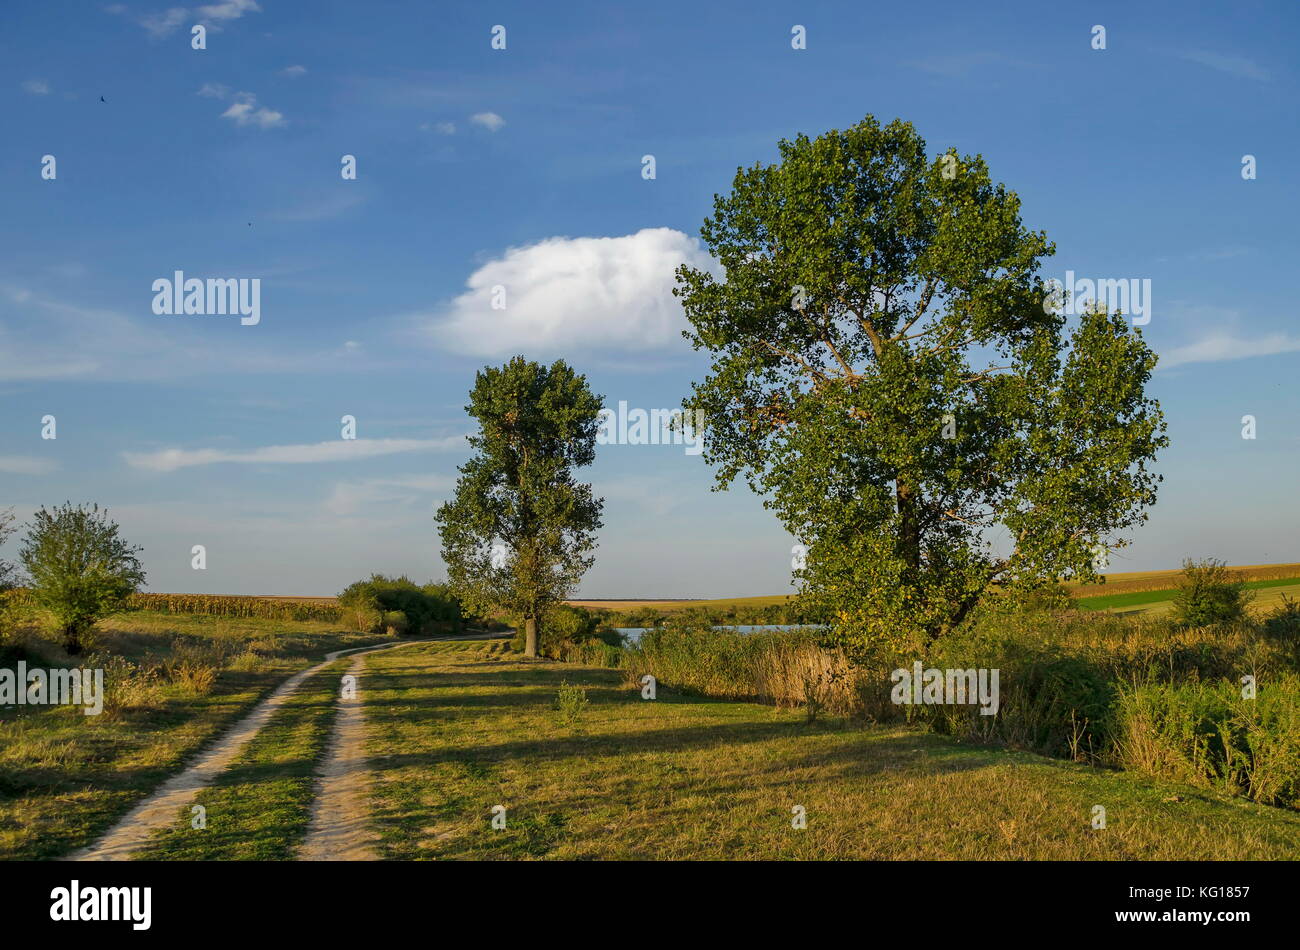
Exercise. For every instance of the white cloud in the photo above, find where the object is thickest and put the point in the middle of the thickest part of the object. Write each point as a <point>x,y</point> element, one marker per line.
<point>228,9</point>
<point>1221,347</point>
<point>25,465</point>
<point>214,90</point>
<point>166,23</point>
<point>36,87</point>
<point>293,72</point>
<point>442,128</point>
<point>339,450</point>
<point>574,293</point>
<point>489,120</point>
<point>211,15</point>
<point>245,111</point>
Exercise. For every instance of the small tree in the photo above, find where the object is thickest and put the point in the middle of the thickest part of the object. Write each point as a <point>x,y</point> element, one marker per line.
<point>518,533</point>
<point>1209,593</point>
<point>80,569</point>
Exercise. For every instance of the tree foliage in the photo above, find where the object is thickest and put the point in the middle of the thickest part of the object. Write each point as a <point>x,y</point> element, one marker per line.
<point>519,531</point>
<point>9,576</point>
<point>886,373</point>
<point>81,570</point>
<point>423,608</point>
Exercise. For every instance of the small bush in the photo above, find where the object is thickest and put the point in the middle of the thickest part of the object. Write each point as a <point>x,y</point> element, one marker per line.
<point>1209,594</point>
<point>396,623</point>
<point>569,704</point>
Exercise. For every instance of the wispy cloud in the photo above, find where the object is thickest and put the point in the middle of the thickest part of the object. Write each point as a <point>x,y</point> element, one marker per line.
<point>212,15</point>
<point>488,120</point>
<point>326,205</point>
<point>348,498</point>
<point>338,450</point>
<point>293,72</point>
<point>1221,347</point>
<point>36,87</point>
<point>43,337</point>
<point>1238,66</point>
<point>25,465</point>
<point>442,128</point>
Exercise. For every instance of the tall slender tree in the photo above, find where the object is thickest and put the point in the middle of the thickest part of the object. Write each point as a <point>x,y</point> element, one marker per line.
<point>519,531</point>
<point>886,371</point>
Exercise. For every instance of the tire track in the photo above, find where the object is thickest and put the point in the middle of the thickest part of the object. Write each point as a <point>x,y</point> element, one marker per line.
<point>159,809</point>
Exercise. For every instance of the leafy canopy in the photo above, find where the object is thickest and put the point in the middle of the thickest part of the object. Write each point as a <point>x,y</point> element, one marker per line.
<point>886,373</point>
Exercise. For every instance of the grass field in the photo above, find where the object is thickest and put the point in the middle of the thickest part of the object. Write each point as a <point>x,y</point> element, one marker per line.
<point>458,728</point>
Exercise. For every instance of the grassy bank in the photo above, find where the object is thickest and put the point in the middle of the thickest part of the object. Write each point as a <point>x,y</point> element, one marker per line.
<point>174,684</point>
<point>458,728</point>
<point>1139,694</point>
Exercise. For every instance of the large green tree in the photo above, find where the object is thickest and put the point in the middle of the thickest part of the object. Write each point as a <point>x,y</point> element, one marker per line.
<point>81,569</point>
<point>519,531</point>
<point>887,373</point>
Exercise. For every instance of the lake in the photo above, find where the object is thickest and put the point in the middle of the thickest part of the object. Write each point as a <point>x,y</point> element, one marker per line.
<point>634,633</point>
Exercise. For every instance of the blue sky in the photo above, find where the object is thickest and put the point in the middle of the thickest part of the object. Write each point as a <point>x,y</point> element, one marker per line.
<point>478,165</point>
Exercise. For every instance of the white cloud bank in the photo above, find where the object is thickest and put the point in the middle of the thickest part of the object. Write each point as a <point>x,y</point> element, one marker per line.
<point>565,294</point>
<point>339,450</point>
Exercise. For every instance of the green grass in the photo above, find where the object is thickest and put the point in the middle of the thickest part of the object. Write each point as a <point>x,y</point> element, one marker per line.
<point>259,808</point>
<point>65,778</point>
<point>1153,597</point>
<point>455,729</point>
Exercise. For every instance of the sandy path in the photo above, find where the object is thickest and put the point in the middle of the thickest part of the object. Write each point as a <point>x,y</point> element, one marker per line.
<point>340,829</point>
<point>160,809</point>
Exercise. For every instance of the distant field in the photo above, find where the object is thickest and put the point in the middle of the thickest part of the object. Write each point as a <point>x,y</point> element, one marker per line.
<point>1151,591</point>
<point>1142,598</point>
<point>1142,581</point>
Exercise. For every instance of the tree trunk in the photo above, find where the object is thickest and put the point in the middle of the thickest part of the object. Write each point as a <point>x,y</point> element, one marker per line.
<point>909,530</point>
<point>72,640</point>
<point>530,636</point>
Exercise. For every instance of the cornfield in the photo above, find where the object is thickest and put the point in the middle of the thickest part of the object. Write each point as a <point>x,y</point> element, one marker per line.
<point>218,606</point>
